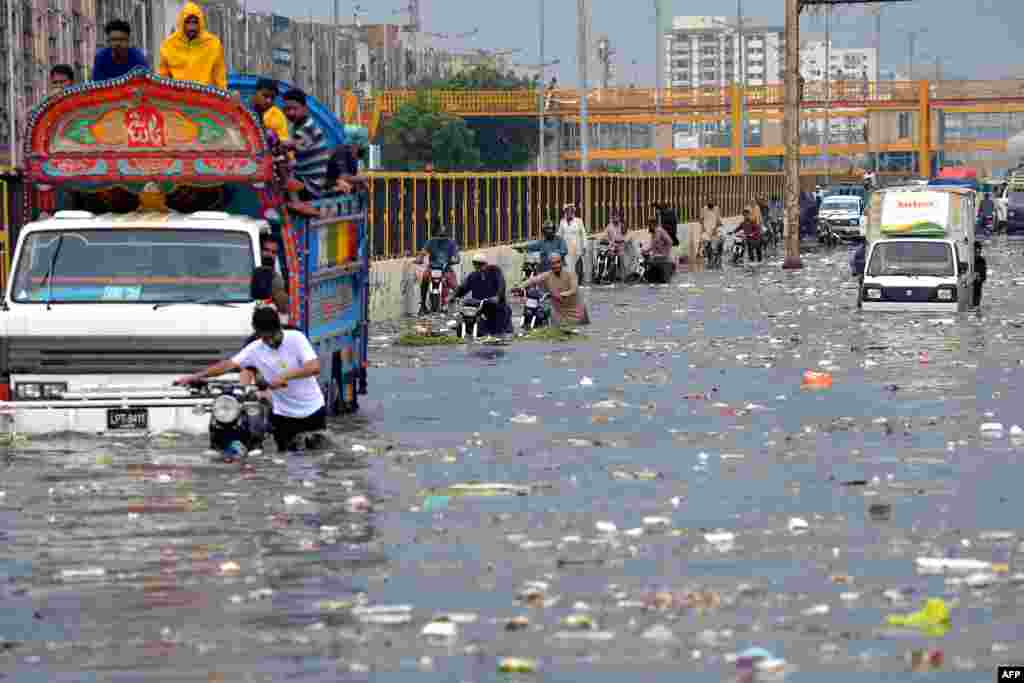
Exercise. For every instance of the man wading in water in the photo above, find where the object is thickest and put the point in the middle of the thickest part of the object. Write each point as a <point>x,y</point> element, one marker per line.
<point>564,289</point>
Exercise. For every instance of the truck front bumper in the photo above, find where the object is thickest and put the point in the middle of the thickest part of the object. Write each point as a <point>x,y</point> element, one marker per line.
<point>113,415</point>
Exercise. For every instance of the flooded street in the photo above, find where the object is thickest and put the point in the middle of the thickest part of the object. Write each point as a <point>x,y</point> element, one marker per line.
<point>672,496</point>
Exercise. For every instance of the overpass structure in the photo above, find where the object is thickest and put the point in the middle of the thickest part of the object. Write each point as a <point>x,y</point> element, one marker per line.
<point>911,119</point>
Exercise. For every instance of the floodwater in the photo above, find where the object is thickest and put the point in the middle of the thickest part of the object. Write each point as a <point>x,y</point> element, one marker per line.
<point>680,499</point>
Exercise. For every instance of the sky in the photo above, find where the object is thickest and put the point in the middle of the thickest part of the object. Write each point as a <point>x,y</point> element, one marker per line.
<point>978,39</point>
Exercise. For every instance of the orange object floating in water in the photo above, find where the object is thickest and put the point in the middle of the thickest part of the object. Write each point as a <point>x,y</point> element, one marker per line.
<point>817,379</point>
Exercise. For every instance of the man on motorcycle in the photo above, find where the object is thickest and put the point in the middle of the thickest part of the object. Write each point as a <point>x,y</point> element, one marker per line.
<point>287,361</point>
<point>662,267</point>
<point>488,285</point>
<point>440,253</point>
<point>752,232</point>
<point>561,284</point>
<point>986,211</point>
<point>711,231</point>
<point>549,246</point>
<point>614,234</point>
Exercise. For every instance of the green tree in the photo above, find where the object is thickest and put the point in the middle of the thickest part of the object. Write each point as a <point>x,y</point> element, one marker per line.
<point>420,133</point>
<point>505,143</point>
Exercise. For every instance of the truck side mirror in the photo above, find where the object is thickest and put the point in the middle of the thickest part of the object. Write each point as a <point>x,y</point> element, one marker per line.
<point>262,283</point>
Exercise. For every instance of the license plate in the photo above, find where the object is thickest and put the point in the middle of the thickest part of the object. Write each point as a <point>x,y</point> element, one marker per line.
<point>436,273</point>
<point>531,303</point>
<point>127,418</point>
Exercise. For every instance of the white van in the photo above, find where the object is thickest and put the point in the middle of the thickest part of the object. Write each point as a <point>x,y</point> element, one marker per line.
<point>920,252</point>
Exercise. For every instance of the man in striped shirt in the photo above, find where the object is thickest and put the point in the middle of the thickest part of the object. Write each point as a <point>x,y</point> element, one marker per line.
<point>309,144</point>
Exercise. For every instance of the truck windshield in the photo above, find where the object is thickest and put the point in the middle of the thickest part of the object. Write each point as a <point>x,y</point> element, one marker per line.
<point>134,266</point>
<point>841,204</point>
<point>912,258</point>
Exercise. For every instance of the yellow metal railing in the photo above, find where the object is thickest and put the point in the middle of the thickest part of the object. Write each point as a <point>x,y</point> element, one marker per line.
<point>566,101</point>
<point>488,209</point>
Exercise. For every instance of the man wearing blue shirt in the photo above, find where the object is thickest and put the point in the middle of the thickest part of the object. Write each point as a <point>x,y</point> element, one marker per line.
<point>119,58</point>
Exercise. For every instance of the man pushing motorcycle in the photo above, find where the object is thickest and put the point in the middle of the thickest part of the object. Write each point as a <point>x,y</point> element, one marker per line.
<point>287,362</point>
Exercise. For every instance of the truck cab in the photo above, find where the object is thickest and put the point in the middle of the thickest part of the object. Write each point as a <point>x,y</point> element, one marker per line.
<point>920,254</point>
<point>99,308</point>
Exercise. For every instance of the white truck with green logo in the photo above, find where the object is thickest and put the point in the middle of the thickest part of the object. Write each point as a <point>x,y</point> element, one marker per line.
<point>920,250</point>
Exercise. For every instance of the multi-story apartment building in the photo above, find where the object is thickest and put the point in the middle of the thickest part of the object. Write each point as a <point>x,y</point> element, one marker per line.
<point>707,52</point>
<point>847,64</point>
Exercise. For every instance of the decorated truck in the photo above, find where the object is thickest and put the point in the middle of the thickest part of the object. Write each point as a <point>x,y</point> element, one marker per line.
<point>920,250</point>
<point>146,200</point>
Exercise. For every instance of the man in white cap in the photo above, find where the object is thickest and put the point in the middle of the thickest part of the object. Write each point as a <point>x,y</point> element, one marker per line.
<point>572,230</point>
<point>486,284</point>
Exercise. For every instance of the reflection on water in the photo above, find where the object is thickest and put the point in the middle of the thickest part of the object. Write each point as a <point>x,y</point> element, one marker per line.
<point>653,473</point>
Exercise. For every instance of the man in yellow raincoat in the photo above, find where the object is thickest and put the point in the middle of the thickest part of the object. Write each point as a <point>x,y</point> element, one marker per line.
<point>192,53</point>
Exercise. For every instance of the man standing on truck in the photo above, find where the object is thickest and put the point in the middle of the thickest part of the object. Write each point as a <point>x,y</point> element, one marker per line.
<point>192,53</point>
<point>62,76</point>
<point>272,117</point>
<point>119,58</point>
<point>309,144</point>
<point>287,362</point>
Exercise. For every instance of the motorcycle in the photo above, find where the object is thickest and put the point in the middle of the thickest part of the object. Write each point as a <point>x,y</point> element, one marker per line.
<point>471,313</point>
<point>826,235</point>
<point>531,264</point>
<point>739,245</point>
<point>607,266</point>
<point>440,288</point>
<point>536,308</point>
<point>239,418</point>
<point>638,270</point>
<point>713,254</point>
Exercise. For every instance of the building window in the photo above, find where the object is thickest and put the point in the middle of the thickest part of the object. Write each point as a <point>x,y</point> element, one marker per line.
<point>903,123</point>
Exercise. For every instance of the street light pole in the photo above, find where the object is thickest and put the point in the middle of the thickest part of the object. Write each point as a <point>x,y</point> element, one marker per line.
<point>791,123</point>
<point>659,68</point>
<point>828,93</point>
<point>540,93</point>
<point>583,53</point>
<point>742,81</point>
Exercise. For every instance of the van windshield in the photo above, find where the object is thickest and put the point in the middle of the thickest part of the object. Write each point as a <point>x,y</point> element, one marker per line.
<point>912,258</point>
<point>841,204</point>
<point>126,265</point>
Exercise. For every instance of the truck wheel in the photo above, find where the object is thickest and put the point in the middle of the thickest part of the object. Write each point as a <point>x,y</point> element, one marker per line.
<point>334,398</point>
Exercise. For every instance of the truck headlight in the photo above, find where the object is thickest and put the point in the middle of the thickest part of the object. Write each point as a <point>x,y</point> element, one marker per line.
<point>946,294</point>
<point>873,293</point>
<point>226,409</point>
<point>34,391</point>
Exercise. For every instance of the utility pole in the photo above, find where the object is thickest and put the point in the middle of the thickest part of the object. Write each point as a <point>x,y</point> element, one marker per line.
<point>541,166</point>
<point>12,103</point>
<point>791,126</point>
<point>793,95</point>
<point>659,68</point>
<point>335,95</point>
<point>583,55</point>
<point>911,40</point>
<point>828,93</point>
<point>742,81</point>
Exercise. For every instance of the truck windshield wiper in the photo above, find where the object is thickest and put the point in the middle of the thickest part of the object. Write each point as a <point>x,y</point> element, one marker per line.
<point>199,302</point>
<point>48,278</point>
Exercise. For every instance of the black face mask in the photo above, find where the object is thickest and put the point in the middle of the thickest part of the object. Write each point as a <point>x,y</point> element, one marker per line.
<point>267,261</point>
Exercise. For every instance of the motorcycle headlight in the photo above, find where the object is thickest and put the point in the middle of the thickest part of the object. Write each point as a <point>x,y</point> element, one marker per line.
<point>226,409</point>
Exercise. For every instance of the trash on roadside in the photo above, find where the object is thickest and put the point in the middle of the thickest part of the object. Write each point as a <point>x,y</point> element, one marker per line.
<point>517,665</point>
<point>933,618</point>
<point>819,380</point>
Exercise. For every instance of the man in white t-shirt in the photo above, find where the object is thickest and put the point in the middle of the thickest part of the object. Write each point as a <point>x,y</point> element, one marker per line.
<point>287,362</point>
